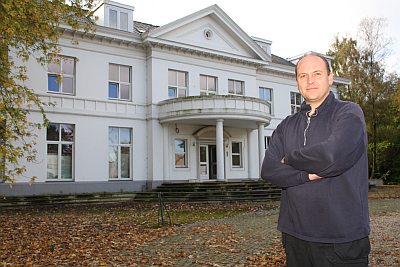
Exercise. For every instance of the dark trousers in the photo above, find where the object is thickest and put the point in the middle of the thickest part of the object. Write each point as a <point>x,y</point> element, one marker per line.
<point>300,253</point>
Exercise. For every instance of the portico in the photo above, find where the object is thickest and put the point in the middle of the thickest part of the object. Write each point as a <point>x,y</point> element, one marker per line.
<point>217,151</point>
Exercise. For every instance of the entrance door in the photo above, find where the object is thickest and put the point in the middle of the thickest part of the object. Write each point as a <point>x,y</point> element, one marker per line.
<point>212,155</point>
<point>204,162</point>
<point>208,162</point>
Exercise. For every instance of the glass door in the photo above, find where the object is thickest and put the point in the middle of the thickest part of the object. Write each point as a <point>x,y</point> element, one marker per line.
<point>203,167</point>
<point>212,162</point>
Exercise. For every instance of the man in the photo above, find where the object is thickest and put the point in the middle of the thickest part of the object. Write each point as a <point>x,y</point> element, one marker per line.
<point>318,157</point>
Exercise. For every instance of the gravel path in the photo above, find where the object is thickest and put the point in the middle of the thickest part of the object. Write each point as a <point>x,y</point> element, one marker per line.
<point>233,241</point>
<point>385,232</point>
<point>220,242</point>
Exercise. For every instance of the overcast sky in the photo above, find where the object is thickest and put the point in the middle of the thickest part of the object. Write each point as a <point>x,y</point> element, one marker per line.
<point>293,26</point>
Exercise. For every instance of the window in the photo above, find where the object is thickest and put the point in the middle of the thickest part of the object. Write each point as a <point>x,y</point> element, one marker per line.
<point>266,94</point>
<point>208,85</point>
<point>113,19</point>
<point>61,75</point>
<point>295,102</point>
<point>118,20</point>
<point>60,151</point>
<point>235,87</point>
<point>203,160</point>
<point>123,21</point>
<point>237,155</point>
<point>180,153</point>
<point>177,83</point>
<point>119,85</point>
<point>120,151</point>
<point>267,141</point>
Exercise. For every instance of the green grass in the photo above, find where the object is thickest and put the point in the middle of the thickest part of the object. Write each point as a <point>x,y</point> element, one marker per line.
<point>183,213</point>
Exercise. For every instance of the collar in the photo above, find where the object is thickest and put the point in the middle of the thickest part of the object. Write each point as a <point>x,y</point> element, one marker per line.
<point>328,100</point>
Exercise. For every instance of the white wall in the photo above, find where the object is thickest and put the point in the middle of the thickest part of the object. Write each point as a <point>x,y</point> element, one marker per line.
<point>91,126</point>
<point>162,61</point>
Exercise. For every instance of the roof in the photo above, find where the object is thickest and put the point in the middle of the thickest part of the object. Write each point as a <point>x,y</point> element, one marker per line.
<point>279,60</point>
<point>141,27</point>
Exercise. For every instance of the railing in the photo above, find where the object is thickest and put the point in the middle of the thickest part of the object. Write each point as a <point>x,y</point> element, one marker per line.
<point>221,106</point>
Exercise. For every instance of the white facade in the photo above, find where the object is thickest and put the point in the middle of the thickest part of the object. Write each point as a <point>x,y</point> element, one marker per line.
<point>138,130</point>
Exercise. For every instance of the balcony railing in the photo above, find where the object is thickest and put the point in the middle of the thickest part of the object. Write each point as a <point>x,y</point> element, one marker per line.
<point>228,107</point>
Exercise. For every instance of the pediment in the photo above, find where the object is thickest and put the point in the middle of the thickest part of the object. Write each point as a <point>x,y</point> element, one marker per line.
<point>209,30</point>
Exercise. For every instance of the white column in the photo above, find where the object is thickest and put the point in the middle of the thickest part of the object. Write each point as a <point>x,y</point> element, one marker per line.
<point>220,150</point>
<point>165,151</point>
<point>252,164</point>
<point>261,146</point>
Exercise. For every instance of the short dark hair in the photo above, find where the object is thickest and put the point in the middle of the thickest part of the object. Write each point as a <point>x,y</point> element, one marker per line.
<point>328,67</point>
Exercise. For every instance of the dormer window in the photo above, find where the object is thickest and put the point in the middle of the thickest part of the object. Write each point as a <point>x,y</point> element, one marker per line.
<point>113,19</point>
<point>115,15</point>
<point>118,20</point>
<point>123,21</point>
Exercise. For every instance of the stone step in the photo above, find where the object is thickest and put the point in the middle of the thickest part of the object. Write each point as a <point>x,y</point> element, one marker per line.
<point>249,190</point>
<point>168,192</point>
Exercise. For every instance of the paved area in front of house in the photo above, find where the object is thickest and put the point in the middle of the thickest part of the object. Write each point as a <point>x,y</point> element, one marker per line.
<point>220,242</point>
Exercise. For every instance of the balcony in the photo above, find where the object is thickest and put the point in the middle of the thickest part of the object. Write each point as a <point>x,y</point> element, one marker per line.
<point>236,111</point>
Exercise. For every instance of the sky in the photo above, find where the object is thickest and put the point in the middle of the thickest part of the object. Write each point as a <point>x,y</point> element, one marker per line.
<point>293,26</point>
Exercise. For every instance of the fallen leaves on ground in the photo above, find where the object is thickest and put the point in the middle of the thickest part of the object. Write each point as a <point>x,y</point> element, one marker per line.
<point>127,234</point>
<point>99,235</point>
<point>74,236</point>
<point>273,256</point>
<point>385,240</point>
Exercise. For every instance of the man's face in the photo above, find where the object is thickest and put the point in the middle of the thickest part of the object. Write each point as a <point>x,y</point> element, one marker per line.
<point>313,80</point>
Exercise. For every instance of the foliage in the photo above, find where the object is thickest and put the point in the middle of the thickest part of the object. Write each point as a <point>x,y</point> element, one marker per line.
<point>362,62</point>
<point>120,234</point>
<point>396,99</point>
<point>29,29</point>
<point>125,234</point>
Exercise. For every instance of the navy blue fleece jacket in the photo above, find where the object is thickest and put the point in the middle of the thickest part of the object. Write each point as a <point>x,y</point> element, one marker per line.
<point>332,144</point>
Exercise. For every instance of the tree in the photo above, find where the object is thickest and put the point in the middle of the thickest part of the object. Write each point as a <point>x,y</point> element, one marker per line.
<point>388,135</point>
<point>363,62</point>
<point>374,47</point>
<point>346,63</point>
<point>396,97</point>
<point>29,29</point>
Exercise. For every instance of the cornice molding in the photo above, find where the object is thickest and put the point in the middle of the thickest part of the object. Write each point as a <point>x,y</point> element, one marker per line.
<point>204,53</point>
<point>104,35</point>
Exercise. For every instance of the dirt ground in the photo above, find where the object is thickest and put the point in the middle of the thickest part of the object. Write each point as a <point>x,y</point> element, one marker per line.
<point>124,235</point>
<point>385,232</point>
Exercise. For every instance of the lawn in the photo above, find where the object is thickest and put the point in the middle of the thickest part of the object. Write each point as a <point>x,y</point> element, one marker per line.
<point>105,234</point>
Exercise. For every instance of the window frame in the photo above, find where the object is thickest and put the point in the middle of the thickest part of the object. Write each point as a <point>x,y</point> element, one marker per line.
<point>60,75</point>
<point>60,143</point>
<point>295,107</point>
<point>185,154</point>
<point>119,147</point>
<point>206,91</point>
<point>267,141</point>
<point>176,88</point>
<point>234,82</point>
<point>119,84</point>
<point>118,23</point>
<point>240,154</point>
<point>262,96</point>
<point>123,26</point>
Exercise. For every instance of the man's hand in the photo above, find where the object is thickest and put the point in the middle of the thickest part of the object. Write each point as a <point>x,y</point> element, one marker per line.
<point>312,176</point>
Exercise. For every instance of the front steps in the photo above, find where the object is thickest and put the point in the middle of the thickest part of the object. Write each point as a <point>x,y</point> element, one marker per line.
<point>237,190</point>
<point>243,190</point>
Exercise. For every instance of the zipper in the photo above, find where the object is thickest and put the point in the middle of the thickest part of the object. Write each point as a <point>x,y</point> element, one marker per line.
<point>308,125</point>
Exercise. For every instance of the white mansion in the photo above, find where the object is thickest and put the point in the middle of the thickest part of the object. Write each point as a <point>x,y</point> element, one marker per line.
<point>139,105</point>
